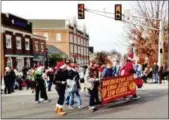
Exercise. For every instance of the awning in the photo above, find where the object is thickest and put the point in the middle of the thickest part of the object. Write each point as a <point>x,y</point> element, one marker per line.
<point>8,55</point>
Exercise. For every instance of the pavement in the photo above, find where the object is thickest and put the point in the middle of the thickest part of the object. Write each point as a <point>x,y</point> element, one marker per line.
<point>152,104</point>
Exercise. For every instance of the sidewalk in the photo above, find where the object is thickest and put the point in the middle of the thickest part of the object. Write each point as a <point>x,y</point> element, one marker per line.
<point>152,86</point>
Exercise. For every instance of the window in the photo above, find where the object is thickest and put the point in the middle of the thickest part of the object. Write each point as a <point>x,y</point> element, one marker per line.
<point>58,36</point>
<point>79,40</point>
<point>36,46</point>
<point>75,49</point>
<point>8,41</point>
<point>75,39</point>
<point>71,38</point>
<point>18,43</point>
<point>27,44</point>
<point>46,36</point>
<point>79,49</point>
<point>71,48</point>
<point>42,47</point>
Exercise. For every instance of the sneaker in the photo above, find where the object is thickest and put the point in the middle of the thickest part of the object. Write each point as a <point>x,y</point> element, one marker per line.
<point>47,100</point>
<point>37,102</point>
<point>41,100</point>
<point>137,97</point>
<point>71,107</point>
<point>80,107</point>
<point>91,108</point>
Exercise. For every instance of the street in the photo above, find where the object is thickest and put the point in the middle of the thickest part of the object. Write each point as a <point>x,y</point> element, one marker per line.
<point>152,104</point>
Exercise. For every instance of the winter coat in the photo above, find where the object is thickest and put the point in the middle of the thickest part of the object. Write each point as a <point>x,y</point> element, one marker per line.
<point>60,76</point>
<point>107,72</point>
<point>129,68</point>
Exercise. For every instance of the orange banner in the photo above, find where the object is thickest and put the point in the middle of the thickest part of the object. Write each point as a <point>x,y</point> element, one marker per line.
<point>117,87</point>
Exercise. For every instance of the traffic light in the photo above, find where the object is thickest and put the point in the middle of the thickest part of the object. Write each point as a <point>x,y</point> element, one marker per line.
<point>81,11</point>
<point>161,50</point>
<point>118,12</point>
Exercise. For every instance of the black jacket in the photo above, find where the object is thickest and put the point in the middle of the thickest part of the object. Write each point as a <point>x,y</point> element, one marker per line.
<point>60,76</point>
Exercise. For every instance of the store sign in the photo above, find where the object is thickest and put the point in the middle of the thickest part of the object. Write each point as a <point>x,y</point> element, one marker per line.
<point>117,87</point>
<point>20,24</point>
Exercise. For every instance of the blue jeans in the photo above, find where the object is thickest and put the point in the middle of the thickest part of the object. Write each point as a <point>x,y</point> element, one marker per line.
<point>49,85</point>
<point>155,77</point>
<point>71,98</point>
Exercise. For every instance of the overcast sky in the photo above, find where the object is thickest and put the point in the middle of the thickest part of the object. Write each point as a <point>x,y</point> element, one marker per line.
<point>105,34</point>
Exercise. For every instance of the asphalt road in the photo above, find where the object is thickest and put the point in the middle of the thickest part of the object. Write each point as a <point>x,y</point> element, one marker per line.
<point>152,104</point>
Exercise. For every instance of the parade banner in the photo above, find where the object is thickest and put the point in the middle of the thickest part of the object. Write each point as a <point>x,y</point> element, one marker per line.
<point>117,87</point>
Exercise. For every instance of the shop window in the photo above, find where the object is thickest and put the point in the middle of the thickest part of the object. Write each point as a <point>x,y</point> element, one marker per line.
<point>18,43</point>
<point>27,44</point>
<point>37,46</point>
<point>8,41</point>
<point>42,47</point>
<point>9,62</point>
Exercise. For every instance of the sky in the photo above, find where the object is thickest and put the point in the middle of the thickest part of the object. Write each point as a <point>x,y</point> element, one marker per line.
<point>105,33</point>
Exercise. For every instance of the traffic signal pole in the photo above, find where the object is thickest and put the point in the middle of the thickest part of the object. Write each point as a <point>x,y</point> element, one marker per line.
<point>161,44</point>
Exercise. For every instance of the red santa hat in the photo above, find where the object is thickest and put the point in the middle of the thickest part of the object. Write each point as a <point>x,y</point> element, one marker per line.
<point>62,65</point>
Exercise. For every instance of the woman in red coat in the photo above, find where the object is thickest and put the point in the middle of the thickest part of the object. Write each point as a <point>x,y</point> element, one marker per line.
<point>129,69</point>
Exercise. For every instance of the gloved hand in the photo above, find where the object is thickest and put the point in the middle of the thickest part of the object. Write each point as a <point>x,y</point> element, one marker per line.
<point>63,82</point>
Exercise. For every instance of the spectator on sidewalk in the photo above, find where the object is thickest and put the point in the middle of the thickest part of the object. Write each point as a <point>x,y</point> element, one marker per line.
<point>145,75</point>
<point>7,81</point>
<point>50,75</point>
<point>161,74</point>
<point>40,85</point>
<point>155,72</point>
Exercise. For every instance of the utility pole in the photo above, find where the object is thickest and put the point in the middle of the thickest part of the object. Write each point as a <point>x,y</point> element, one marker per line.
<point>161,44</point>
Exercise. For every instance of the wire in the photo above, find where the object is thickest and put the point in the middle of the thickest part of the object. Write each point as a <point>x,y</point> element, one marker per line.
<point>99,14</point>
<point>90,10</point>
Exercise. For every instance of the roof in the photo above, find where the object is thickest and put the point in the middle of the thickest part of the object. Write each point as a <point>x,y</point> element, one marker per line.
<point>47,23</point>
<point>53,50</point>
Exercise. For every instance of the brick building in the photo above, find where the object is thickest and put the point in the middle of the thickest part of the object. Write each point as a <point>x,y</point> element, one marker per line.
<point>17,42</point>
<point>66,37</point>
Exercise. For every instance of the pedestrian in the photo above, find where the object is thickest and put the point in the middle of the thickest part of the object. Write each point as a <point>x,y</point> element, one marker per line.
<point>19,76</point>
<point>161,74</point>
<point>60,77</point>
<point>129,70</point>
<point>108,71</point>
<point>74,88</point>
<point>145,75</point>
<point>155,72</point>
<point>50,75</point>
<point>7,81</point>
<point>92,86</point>
<point>138,69</point>
<point>40,86</point>
<point>13,77</point>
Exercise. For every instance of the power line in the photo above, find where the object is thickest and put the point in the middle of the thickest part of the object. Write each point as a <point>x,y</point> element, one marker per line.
<point>89,10</point>
<point>99,14</point>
